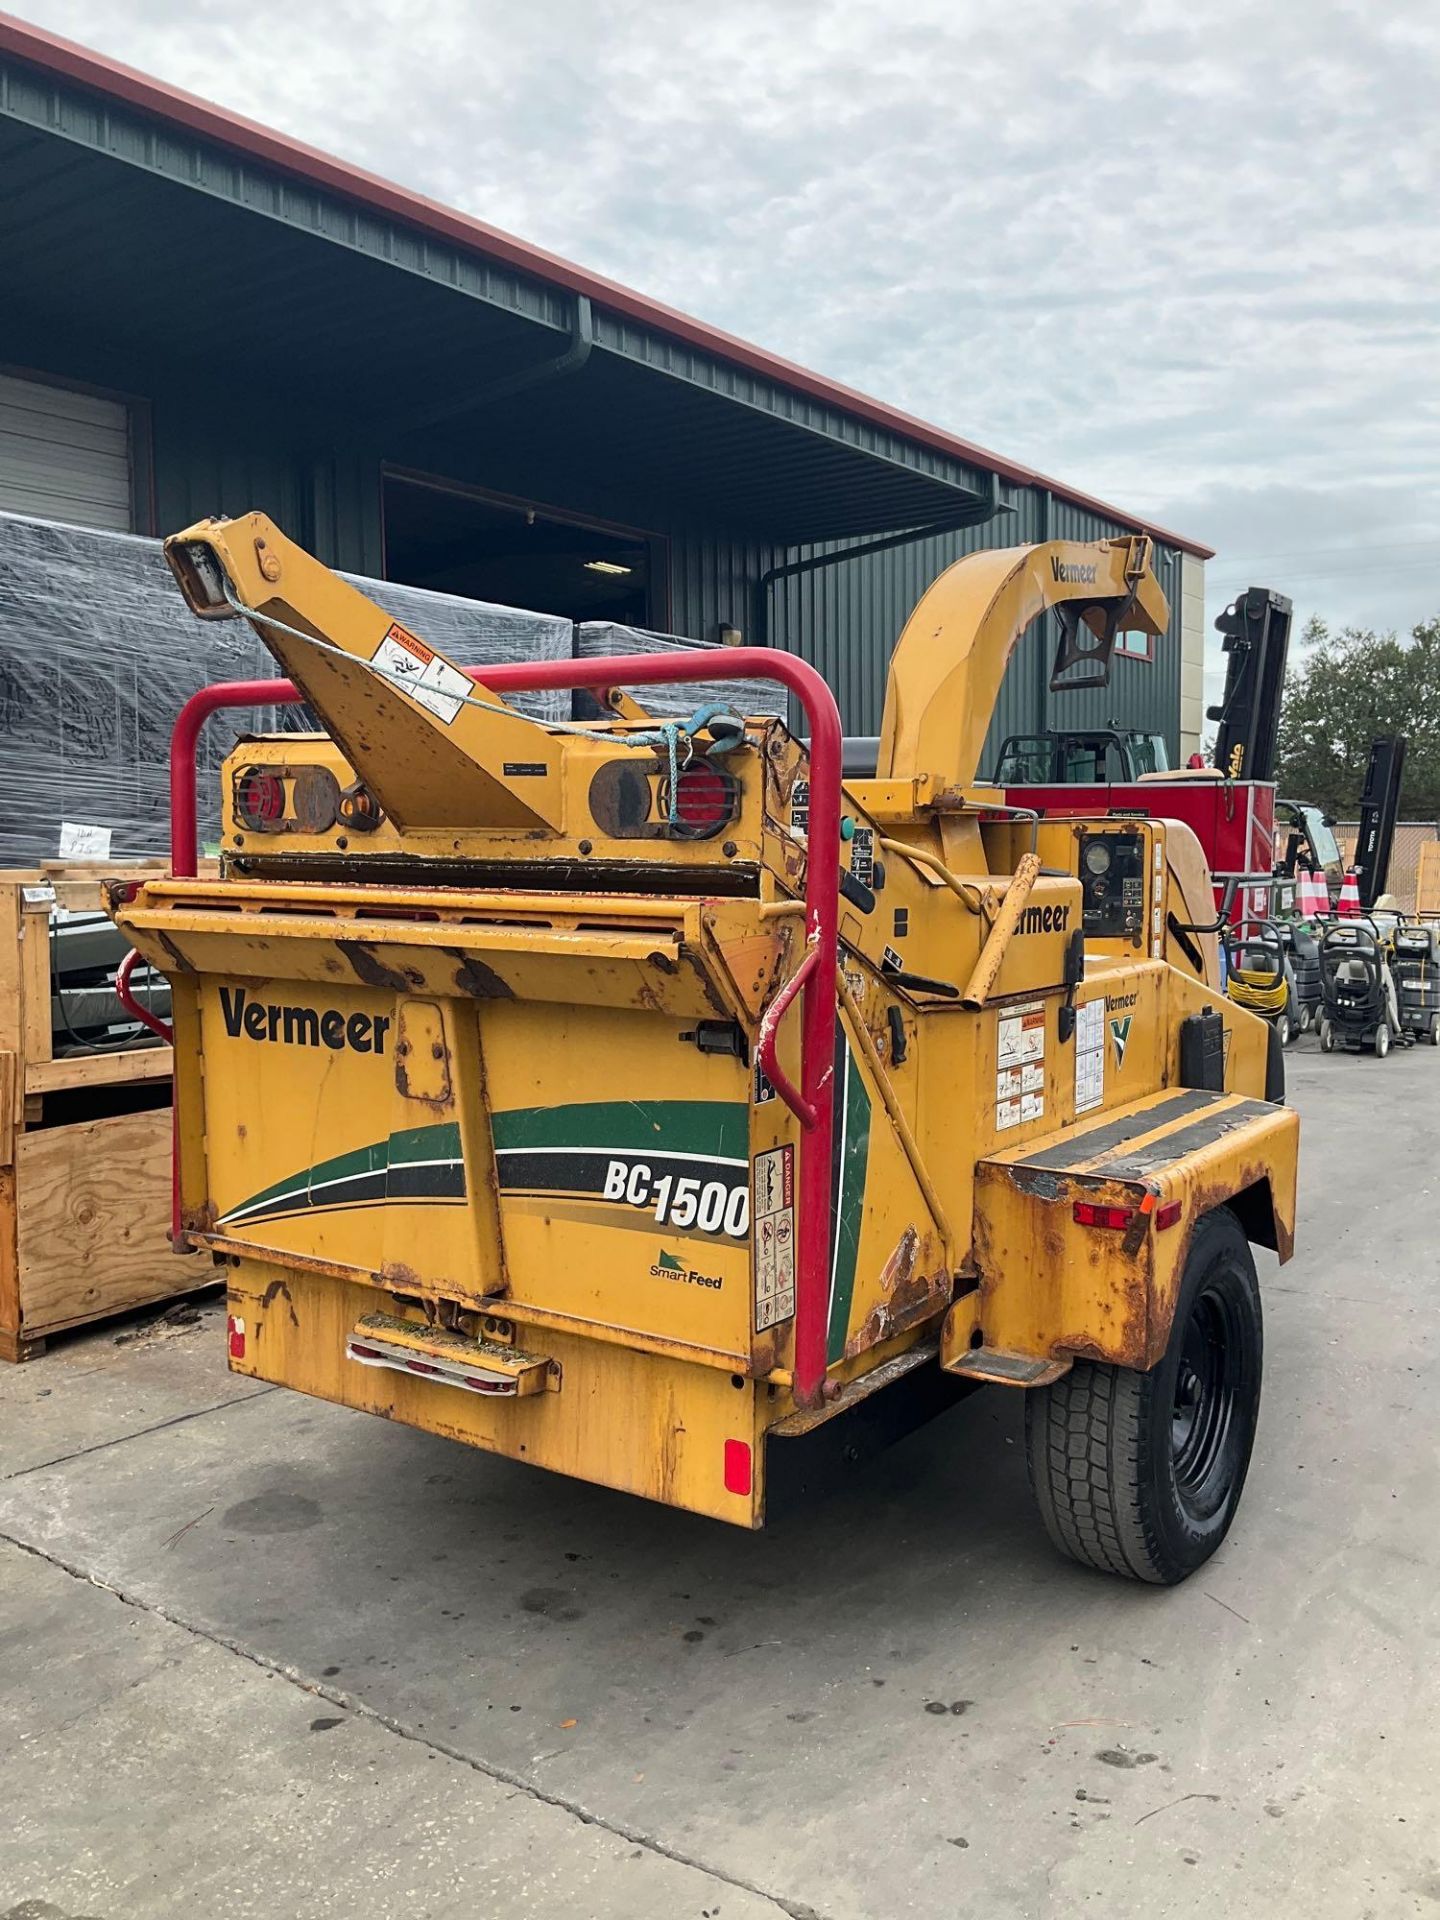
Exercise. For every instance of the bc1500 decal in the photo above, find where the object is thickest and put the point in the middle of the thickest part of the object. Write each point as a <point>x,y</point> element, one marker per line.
<point>681,1200</point>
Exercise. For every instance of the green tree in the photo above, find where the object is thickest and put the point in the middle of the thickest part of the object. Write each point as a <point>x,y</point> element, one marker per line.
<point>1342,691</point>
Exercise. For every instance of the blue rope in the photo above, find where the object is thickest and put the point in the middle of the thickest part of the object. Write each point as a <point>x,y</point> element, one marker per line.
<point>667,735</point>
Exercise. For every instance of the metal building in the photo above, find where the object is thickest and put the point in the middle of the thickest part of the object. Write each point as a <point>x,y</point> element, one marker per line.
<point>202,316</point>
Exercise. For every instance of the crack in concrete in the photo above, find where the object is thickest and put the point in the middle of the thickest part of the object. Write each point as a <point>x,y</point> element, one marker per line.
<point>338,1696</point>
<point>119,1439</point>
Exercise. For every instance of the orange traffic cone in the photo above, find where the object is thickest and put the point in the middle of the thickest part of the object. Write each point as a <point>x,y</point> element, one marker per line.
<point>1313,896</point>
<point>1349,903</point>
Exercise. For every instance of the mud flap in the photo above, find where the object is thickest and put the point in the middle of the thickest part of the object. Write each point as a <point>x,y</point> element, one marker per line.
<point>1274,1067</point>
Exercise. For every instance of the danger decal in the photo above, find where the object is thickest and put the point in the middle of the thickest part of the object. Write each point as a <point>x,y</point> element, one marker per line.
<point>774,1237</point>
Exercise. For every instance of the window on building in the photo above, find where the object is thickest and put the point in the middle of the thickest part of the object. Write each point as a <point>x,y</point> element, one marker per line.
<point>486,548</point>
<point>1135,646</point>
<point>67,454</point>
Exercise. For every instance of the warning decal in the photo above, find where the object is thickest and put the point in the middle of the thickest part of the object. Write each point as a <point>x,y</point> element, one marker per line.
<point>418,670</point>
<point>774,1237</point>
<point>1020,1066</point>
<point>1022,1035</point>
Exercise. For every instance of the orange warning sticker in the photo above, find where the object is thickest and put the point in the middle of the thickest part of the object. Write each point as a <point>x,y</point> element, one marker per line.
<point>419,671</point>
<point>402,637</point>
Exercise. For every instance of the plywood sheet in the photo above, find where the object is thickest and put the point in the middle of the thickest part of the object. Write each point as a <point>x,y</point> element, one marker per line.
<point>93,1225</point>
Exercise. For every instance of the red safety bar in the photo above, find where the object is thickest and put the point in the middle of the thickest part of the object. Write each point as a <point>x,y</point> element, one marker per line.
<point>813,1101</point>
<point>125,994</point>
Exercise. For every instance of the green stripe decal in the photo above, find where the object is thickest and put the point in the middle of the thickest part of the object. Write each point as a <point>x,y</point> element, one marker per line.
<point>852,1126</point>
<point>420,1163</point>
<point>423,1143</point>
<point>719,1129</point>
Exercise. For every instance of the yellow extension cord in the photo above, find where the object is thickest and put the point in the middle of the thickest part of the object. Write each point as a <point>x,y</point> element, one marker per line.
<point>1257,992</point>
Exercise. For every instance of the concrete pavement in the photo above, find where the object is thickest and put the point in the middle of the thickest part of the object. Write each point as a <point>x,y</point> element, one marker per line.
<point>262,1655</point>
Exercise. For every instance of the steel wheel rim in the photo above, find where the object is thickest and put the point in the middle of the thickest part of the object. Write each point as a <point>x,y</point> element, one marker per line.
<point>1204,1408</point>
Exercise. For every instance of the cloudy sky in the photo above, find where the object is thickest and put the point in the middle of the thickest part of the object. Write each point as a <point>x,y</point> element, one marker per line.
<point>1184,255</point>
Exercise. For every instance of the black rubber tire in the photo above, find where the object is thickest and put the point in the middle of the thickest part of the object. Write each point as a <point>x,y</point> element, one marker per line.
<point>1100,1443</point>
<point>1381,1042</point>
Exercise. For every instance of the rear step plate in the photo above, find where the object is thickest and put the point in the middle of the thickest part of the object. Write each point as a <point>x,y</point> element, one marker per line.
<point>1007,1369</point>
<point>449,1359</point>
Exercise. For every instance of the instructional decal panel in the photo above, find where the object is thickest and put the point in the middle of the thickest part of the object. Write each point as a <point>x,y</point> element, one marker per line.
<point>774,1237</point>
<point>1020,1066</point>
<point>1089,1055</point>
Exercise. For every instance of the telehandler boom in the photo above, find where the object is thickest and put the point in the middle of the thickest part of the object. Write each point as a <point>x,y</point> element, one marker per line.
<point>641,1101</point>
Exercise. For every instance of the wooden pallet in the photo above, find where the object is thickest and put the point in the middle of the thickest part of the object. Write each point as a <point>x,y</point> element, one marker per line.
<point>84,1145</point>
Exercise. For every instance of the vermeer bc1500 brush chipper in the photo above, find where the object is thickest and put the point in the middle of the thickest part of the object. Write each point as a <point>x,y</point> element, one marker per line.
<point>642,1103</point>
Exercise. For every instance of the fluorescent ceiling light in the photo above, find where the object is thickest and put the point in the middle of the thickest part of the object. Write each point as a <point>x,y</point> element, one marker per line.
<point>606,566</point>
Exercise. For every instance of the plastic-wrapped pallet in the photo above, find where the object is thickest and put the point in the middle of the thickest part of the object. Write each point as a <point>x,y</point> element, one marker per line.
<point>682,697</point>
<point>98,653</point>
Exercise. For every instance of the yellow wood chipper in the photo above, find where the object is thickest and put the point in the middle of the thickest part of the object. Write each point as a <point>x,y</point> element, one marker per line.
<point>645,1101</point>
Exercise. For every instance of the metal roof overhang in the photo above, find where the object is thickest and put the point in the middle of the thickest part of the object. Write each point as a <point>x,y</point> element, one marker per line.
<point>357,327</point>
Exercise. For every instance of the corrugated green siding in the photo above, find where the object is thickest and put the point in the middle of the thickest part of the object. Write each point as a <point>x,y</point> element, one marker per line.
<point>846,619</point>
<point>1144,694</point>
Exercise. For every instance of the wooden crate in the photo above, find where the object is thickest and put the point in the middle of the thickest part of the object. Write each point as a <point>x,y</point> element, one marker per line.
<point>84,1179</point>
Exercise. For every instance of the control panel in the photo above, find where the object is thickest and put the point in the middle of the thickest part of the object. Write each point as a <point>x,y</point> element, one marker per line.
<point>1112,879</point>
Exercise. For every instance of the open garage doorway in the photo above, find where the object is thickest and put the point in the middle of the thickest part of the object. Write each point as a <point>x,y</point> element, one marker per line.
<point>485,547</point>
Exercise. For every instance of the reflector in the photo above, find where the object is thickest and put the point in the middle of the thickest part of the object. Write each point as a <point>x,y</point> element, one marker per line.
<point>737,1466</point>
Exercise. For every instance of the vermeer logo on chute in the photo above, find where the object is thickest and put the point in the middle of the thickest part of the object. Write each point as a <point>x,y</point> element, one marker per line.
<point>1073,573</point>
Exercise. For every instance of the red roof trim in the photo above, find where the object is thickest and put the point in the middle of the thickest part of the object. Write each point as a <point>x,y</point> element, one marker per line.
<point>79,64</point>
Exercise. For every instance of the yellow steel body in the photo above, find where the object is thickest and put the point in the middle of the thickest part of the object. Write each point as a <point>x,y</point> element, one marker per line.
<point>446,1070</point>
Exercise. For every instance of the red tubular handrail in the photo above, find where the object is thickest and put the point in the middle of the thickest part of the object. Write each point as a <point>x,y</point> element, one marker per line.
<point>125,994</point>
<point>814,1104</point>
<point>185,738</point>
<point>767,1044</point>
<point>137,1009</point>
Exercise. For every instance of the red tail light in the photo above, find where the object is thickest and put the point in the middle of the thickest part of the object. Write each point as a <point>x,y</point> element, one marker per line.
<point>1113,1219</point>
<point>260,799</point>
<point>704,801</point>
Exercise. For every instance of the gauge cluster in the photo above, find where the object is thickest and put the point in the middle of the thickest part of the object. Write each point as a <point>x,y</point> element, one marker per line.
<point>1112,878</point>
